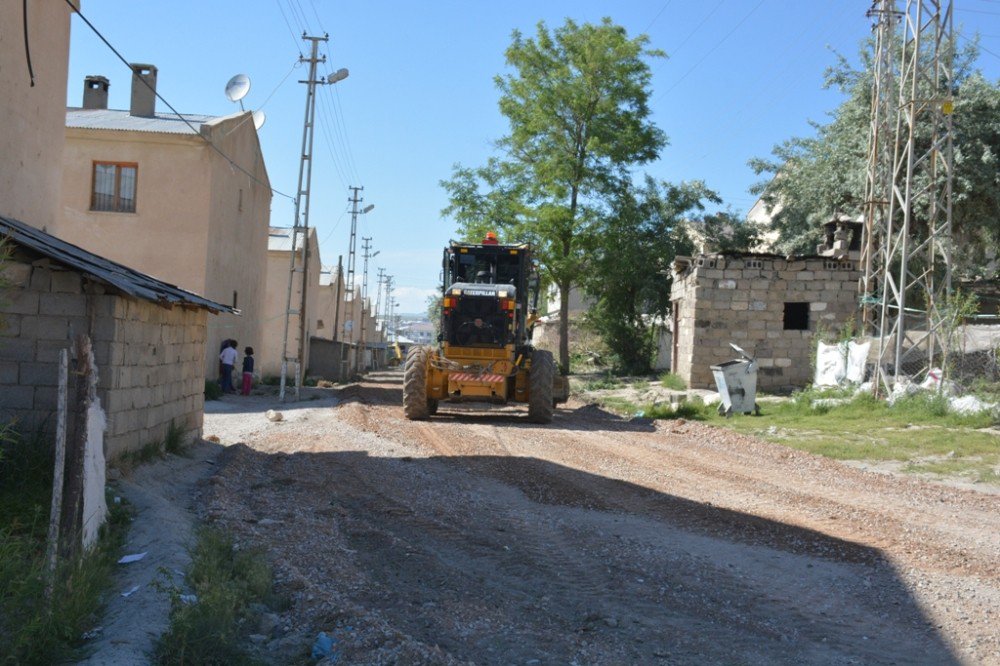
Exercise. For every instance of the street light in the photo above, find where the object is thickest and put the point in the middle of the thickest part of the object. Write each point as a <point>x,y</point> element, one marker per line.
<point>368,208</point>
<point>339,75</point>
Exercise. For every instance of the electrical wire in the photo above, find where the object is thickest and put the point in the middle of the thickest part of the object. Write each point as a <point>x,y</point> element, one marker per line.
<point>298,44</point>
<point>714,47</point>
<point>658,14</point>
<point>160,97</point>
<point>347,143</point>
<point>27,49</point>
<point>335,117</point>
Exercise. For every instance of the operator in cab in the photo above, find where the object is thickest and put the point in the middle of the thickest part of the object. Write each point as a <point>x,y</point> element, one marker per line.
<point>476,331</point>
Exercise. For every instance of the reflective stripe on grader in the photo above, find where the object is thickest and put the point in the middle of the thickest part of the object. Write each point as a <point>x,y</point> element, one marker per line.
<point>470,377</point>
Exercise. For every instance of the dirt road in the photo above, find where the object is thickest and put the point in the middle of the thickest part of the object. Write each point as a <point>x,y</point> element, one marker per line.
<point>478,537</point>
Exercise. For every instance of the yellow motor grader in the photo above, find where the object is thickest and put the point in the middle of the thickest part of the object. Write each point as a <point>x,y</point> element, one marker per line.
<point>489,302</point>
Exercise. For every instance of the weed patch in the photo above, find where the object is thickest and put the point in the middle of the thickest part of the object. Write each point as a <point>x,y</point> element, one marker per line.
<point>33,629</point>
<point>228,584</point>
<point>671,381</point>
<point>212,390</point>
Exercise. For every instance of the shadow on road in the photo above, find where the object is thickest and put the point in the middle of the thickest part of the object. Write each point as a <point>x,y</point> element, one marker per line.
<point>507,560</point>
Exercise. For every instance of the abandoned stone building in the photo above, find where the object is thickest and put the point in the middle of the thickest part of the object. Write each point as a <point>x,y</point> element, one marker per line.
<point>148,338</point>
<point>769,305</point>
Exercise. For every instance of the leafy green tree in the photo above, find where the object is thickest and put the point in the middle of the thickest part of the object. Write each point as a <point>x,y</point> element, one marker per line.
<point>811,178</point>
<point>627,274</point>
<point>434,312</point>
<point>577,107</point>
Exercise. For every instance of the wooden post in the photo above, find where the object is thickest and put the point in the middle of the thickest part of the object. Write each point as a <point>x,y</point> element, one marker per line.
<point>72,516</point>
<point>55,510</point>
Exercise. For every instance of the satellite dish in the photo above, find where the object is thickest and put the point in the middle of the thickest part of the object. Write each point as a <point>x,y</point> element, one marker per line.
<point>258,118</point>
<point>238,87</point>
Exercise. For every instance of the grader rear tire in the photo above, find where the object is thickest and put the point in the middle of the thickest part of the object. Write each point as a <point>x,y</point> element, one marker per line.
<point>416,405</point>
<point>542,374</point>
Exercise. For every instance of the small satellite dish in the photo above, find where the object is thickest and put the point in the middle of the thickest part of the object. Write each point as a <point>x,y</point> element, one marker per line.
<point>258,118</point>
<point>238,87</point>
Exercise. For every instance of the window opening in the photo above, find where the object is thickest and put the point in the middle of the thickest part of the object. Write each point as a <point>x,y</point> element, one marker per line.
<point>796,316</point>
<point>114,187</point>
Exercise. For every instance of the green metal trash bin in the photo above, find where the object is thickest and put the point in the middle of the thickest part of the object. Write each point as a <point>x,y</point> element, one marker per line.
<point>736,382</point>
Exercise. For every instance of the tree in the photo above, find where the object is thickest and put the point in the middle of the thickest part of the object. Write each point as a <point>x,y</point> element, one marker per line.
<point>814,177</point>
<point>626,273</point>
<point>433,305</point>
<point>577,106</point>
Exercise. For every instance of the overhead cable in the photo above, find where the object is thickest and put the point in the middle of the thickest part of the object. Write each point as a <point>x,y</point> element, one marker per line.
<point>194,129</point>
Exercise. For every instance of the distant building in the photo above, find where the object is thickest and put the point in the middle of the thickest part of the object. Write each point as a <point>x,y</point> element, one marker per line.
<point>151,191</point>
<point>279,270</point>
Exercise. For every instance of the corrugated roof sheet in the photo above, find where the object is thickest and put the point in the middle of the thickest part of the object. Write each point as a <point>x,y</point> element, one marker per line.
<point>328,276</point>
<point>279,239</point>
<point>122,278</point>
<point>113,119</point>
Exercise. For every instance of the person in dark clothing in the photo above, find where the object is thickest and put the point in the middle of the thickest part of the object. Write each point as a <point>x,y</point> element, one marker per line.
<point>225,344</point>
<point>247,370</point>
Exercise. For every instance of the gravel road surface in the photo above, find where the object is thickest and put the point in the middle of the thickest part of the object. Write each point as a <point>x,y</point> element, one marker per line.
<point>477,537</point>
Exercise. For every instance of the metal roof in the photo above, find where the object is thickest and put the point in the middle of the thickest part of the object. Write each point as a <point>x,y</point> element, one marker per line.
<point>328,276</point>
<point>112,119</point>
<point>120,277</point>
<point>279,239</point>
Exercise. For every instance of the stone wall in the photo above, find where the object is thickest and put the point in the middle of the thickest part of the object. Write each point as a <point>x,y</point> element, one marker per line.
<point>150,358</point>
<point>770,306</point>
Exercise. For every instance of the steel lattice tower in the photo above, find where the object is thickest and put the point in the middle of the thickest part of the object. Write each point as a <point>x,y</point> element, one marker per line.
<point>911,250</point>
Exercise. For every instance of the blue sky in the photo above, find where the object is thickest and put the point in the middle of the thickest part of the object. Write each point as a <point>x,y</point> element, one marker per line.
<point>741,76</point>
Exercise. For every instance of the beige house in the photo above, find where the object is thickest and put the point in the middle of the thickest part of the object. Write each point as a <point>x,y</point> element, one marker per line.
<point>185,200</point>
<point>269,353</point>
<point>148,337</point>
<point>330,310</point>
<point>32,116</point>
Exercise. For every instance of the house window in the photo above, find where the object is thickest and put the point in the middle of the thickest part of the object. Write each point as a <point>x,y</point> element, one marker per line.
<point>796,316</point>
<point>236,299</point>
<point>114,187</point>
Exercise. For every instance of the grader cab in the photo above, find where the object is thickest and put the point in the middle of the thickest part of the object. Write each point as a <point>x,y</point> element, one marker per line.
<point>484,353</point>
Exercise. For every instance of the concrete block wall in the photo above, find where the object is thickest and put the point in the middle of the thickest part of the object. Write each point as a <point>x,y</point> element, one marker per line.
<point>721,299</point>
<point>40,312</point>
<point>152,371</point>
<point>149,358</point>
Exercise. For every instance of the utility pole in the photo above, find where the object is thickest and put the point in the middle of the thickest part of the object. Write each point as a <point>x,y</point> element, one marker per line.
<point>366,246</point>
<point>336,308</point>
<point>378,297</point>
<point>349,323</point>
<point>388,302</point>
<point>300,225</point>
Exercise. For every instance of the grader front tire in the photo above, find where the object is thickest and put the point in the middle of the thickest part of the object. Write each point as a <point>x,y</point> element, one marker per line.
<point>540,378</point>
<point>416,405</point>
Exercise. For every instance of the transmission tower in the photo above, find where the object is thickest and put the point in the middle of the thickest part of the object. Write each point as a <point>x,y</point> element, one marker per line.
<point>299,249</point>
<point>881,132</point>
<point>909,259</point>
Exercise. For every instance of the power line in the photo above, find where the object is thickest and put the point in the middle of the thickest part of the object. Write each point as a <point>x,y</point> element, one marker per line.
<point>658,14</point>
<point>717,45</point>
<point>289,25</point>
<point>194,129</point>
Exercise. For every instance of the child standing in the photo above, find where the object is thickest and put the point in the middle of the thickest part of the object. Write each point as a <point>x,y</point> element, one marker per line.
<point>247,370</point>
<point>228,359</point>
